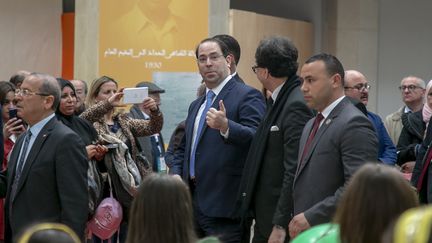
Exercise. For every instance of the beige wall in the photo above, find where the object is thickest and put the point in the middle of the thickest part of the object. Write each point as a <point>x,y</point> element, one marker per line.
<point>30,36</point>
<point>301,33</point>
<point>86,40</point>
<point>351,33</point>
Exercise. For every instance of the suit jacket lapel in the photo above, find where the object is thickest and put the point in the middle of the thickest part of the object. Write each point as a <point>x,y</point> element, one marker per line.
<point>224,92</point>
<point>259,143</point>
<point>136,112</point>
<point>326,123</point>
<point>34,151</point>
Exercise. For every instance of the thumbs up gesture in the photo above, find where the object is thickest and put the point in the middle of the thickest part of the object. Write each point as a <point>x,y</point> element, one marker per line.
<point>217,119</point>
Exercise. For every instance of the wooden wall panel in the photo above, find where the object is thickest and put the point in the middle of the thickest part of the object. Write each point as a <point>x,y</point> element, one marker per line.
<point>249,28</point>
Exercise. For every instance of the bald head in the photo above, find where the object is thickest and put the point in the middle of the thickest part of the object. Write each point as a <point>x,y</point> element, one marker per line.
<point>356,86</point>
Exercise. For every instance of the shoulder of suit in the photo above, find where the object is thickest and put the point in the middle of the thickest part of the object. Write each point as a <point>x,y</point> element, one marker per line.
<point>61,128</point>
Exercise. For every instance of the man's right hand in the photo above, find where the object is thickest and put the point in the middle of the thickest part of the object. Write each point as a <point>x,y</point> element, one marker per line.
<point>277,235</point>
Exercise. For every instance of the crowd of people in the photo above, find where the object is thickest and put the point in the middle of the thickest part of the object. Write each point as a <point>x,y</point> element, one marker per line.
<point>303,159</point>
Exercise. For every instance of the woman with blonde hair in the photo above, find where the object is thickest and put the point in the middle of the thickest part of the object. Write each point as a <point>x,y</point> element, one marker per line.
<point>376,195</point>
<point>118,131</point>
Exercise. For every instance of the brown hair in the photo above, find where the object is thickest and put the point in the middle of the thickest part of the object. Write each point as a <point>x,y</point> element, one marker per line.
<point>95,88</point>
<point>376,195</point>
<point>5,88</point>
<point>161,212</point>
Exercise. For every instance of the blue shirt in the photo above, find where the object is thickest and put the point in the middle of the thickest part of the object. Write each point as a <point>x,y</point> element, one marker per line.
<point>387,150</point>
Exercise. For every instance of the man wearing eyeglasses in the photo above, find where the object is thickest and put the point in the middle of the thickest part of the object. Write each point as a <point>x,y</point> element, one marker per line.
<point>266,188</point>
<point>46,178</point>
<point>413,90</point>
<point>357,87</point>
<point>219,129</point>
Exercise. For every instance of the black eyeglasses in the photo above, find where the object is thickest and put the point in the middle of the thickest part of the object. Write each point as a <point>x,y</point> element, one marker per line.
<point>254,68</point>
<point>409,87</point>
<point>359,87</point>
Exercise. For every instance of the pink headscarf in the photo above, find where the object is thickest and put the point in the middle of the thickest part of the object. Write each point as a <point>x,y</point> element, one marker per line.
<point>427,110</point>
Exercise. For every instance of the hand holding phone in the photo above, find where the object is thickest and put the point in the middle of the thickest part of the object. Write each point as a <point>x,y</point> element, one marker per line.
<point>13,113</point>
<point>13,126</point>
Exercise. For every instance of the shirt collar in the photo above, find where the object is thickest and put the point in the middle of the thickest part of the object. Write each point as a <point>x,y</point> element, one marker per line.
<point>218,89</point>
<point>326,112</point>
<point>276,92</point>
<point>36,128</point>
<point>407,109</point>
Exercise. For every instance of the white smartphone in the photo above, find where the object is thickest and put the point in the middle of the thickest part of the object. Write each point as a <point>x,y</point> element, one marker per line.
<point>134,95</point>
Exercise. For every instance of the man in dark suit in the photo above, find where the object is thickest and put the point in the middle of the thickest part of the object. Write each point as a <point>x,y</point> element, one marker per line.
<point>212,153</point>
<point>233,50</point>
<point>153,146</point>
<point>266,186</point>
<point>333,145</point>
<point>47,172</point>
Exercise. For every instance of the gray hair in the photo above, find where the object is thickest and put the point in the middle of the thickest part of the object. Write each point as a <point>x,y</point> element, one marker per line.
<point>49,86</point>
<point>85,85</point>
<point>420,82</point>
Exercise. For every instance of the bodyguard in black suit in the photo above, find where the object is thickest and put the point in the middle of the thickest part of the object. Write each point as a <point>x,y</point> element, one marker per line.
<point>266,187</point>
<point>46,178</point>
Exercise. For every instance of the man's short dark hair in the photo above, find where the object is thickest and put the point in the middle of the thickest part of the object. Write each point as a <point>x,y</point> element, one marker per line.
<point>222,46</point>
<point>332,64</point>
<point>232,44</point>
<point>278,55</point>
<point>17,78</point>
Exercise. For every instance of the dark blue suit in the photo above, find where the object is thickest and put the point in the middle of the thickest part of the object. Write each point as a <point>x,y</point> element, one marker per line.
<point>219,162</point>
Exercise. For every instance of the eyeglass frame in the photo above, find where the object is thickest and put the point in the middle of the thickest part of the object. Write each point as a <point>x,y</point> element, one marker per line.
<point>212,57</point>
<point>410,87</point>
<point>27,93</point>
<point>254,68</point>
<point>361,88</point>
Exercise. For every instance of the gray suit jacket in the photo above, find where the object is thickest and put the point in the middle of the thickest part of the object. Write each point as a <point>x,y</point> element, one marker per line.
<point>344,142</point>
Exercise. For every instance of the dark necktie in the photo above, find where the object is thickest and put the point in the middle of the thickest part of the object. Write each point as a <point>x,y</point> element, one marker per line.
<point>209,99</point>
<point>314,130</point>
<point>19,168</point>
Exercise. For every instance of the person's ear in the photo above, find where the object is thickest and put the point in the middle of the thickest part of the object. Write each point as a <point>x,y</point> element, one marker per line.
<point>337,80</point>
<point>229,59</point>
<point>49,102</point>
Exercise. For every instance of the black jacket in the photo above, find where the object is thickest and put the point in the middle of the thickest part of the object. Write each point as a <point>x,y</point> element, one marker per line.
<point>411,136</point>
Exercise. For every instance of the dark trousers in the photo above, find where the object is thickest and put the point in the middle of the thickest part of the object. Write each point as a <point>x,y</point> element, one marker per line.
<point>226,229</point>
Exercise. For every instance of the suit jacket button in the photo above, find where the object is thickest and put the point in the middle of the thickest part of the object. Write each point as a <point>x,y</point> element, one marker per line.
<point>244,194</point>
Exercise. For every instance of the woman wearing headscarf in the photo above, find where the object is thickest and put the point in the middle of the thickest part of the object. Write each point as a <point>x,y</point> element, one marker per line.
<point>66,114</point>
